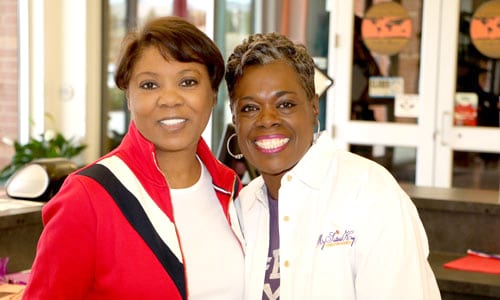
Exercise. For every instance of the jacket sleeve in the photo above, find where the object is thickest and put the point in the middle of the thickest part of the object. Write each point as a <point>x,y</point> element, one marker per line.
<point>392,256</point>
<point>64,262</point>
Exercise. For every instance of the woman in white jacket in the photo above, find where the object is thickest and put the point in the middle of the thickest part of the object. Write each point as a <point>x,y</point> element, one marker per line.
<point>319,223</point>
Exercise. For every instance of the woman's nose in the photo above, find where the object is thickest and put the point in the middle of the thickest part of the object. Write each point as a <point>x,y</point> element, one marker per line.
<point>170,97</point>
<point>268,117</point>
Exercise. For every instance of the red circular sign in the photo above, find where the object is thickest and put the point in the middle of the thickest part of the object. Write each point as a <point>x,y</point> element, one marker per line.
<point>485,29</point>
<point>386,28</point>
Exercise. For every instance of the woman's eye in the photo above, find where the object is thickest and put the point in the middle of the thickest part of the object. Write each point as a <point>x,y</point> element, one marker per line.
<point>188,82</point>
<point>248,108</point>
<point>149,85</point>
<point>286,105</point>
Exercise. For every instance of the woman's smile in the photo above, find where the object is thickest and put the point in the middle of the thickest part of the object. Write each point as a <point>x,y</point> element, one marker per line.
<point>271,143</point>
<point>173,124</point>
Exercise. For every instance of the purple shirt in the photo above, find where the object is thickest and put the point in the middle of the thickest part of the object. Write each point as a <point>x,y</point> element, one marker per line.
<point>272,278</point>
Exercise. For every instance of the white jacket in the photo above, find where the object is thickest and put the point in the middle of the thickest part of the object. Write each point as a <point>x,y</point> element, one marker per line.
<point>347,231</point>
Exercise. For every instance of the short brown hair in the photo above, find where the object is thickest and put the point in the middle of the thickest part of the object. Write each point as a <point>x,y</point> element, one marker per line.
<point>175,38</point>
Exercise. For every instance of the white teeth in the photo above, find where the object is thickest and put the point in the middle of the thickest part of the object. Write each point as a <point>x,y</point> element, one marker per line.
<point>271,143</point>
<point>171,122</point>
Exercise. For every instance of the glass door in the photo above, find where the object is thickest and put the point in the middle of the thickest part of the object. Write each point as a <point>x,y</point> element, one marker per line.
<point>382,105</point>
<point>468,131</point>
<point>396,82</point>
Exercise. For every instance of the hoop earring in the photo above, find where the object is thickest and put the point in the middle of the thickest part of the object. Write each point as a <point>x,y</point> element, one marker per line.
<point>318,131</point>
<point>235,156</point>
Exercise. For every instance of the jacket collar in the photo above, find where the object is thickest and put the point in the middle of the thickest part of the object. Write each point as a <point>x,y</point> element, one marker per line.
<point>312,169</point>
<point>252,194</point>
<point>140,155</point>
<point>135,147</point>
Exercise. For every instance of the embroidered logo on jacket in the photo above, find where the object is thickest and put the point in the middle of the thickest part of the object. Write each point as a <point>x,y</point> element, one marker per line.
<point>336,238</point>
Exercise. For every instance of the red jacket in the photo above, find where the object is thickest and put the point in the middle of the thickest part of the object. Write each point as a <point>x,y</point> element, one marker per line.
<point>88,249</point>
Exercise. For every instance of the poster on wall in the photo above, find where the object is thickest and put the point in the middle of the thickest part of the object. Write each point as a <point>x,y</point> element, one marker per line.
<point>385,87</point>
<point>465,109</point>
<point>485,29</point>
<point>406,105</point>
<point>386,28</point>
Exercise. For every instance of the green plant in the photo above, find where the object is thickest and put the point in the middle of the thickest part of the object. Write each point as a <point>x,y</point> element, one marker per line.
<point>51,144</point>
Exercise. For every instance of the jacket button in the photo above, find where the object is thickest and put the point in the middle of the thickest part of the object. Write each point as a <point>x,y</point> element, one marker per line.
<point>286,263</point>
<point>286,218</point>
<point>289,178</point>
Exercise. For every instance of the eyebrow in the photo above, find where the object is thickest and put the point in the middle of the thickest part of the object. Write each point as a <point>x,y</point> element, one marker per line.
<point>281,93</point>
<point>146,73</point>
<point>181,72</point>
<point>184,71</point>
<point>276,95</point>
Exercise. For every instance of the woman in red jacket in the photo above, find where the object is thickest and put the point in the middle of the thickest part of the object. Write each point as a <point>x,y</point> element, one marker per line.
<point>154,218</point>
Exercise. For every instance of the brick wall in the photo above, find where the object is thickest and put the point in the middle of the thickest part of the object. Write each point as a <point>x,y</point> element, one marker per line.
<point>8,77</point>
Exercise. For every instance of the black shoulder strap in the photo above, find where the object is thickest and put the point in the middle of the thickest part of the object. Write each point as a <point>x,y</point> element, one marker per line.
<point>135,214</point>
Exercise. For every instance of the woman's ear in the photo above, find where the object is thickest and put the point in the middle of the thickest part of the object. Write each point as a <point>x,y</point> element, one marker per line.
<point>315,106</point>
<point>214,99</point>
<point>232,108</point>
<point>127,99</point>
